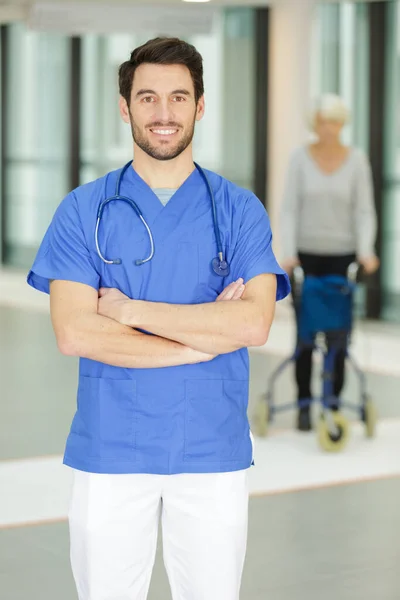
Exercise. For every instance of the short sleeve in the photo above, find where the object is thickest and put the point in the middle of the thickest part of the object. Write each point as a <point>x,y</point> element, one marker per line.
<point>63,253</point>
<point>253,254</point>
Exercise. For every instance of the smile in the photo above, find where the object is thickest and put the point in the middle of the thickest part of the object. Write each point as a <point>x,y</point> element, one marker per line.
<point>164,131</point>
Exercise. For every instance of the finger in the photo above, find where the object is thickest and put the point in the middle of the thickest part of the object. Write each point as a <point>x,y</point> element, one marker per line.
<point>238,293</point>
<point>222,295</point>
<point>231,291</point>
<point>235,284</point>
<point>105,291</point>
<point>226,291</point>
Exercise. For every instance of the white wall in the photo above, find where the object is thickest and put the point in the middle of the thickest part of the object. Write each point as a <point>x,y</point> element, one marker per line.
<point>290,70</point>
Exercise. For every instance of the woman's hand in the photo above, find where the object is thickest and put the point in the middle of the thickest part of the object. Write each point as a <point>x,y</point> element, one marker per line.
<point>289,264</point>
<point>370,264</point>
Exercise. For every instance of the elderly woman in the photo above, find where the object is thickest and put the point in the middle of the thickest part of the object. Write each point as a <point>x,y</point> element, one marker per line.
<point>328,219</point>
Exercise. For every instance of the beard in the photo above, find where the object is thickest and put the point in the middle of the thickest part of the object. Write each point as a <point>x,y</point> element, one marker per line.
<point>162,151</point>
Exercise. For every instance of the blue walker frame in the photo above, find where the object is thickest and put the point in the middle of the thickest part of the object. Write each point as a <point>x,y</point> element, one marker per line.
<point>317,300</point>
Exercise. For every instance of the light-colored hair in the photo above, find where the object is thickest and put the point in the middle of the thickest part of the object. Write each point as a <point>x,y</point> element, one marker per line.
<point>330,107</point>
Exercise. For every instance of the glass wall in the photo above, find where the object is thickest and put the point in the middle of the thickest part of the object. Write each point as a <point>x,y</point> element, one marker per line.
<point>36,98</point>
<point>37,118</point>
<point>391,213</point>
<point>340,62</point>
<point>105,139</point>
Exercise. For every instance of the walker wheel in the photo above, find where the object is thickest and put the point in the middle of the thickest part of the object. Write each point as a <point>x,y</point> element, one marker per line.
<point>369,416</point>
<point>261,418</point>
<point>329,441</point>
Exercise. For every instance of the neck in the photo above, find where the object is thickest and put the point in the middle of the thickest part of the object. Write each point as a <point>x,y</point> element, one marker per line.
<point>163,173</point>
<point>329,146</point>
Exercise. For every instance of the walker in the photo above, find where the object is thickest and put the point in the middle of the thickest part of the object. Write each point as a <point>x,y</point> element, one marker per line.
<point>324,306</point>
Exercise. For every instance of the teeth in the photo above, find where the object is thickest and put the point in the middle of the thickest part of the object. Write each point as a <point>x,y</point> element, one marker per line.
<point>164,131</point>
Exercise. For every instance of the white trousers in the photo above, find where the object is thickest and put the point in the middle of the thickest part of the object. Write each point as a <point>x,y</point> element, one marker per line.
<point>114,524</point>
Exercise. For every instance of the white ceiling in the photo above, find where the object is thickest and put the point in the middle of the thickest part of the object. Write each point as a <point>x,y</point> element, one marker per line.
<point>24,3</point>
<point>44,15</point>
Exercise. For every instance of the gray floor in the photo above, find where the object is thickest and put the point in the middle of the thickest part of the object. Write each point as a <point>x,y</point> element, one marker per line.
<point>335,543</point>
<point>340,543</point>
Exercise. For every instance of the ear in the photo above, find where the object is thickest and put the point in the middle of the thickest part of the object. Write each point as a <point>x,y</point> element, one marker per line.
<point>124,110</point>
<point>201,106</point>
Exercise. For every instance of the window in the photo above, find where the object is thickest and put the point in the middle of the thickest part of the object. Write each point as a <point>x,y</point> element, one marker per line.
<point>340,62</point>
<point>391,200</point>
<point>35,176</point>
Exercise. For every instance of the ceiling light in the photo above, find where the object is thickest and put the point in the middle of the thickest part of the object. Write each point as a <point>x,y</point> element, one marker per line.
<point>195,0</point>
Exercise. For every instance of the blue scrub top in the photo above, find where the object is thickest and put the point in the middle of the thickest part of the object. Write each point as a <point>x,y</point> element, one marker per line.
<point>185,419</point>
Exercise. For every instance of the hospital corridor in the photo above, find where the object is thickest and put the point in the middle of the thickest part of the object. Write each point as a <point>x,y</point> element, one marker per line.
<point>200,300</point>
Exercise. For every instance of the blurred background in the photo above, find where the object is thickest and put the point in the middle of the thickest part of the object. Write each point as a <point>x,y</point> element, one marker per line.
<point>321,526</point>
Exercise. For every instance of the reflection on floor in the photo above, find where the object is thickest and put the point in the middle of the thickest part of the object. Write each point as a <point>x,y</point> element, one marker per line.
<point>37,490</point>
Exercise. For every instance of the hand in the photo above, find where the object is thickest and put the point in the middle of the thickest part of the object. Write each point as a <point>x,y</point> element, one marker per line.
<point>233,291</point>
<point>112,304</point>
<point>370,264</point>
<point>290,264</point>
<point>196,357</point>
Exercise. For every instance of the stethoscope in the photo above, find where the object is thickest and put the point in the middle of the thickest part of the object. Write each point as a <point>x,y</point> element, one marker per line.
<point>219,264</point>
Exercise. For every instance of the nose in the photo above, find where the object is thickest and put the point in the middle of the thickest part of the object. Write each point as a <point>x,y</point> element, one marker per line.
<point>164,112</point>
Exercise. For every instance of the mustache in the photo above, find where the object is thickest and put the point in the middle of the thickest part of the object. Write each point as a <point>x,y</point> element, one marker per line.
<point>160,124</point>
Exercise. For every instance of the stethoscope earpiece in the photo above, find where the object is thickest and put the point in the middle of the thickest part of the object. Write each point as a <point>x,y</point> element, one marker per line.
<point>219,264</point>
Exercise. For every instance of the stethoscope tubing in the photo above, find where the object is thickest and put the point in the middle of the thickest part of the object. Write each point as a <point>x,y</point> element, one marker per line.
<point>221,269</point>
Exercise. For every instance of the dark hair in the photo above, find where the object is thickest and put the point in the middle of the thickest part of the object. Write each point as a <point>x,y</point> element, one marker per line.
<point>162,51</point>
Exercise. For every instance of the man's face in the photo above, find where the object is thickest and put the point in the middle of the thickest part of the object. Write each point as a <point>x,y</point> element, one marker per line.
<point>163,110</point>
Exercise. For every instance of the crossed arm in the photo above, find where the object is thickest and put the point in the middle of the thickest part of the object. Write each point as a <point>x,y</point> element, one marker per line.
<point>81,331</point>
<point>104,330</point>
<point>213,328</point>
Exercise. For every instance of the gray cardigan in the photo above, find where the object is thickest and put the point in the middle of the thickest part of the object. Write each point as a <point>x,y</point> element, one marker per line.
<point>328,214</point>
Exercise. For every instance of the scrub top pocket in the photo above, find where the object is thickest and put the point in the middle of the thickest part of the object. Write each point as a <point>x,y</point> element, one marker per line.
<point>215,419</point>
<point>105,422</point>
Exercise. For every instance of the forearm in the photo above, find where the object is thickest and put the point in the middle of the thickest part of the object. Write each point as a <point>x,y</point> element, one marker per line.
<point>366,235</point>
<point>365,216</point>
<point>215,328</point>
<point>99,338</point>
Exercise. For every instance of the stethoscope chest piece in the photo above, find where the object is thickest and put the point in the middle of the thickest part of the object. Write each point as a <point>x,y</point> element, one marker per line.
<point>220,267</point>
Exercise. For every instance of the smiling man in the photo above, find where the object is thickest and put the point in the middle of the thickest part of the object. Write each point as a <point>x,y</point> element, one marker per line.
<point>161,275</point>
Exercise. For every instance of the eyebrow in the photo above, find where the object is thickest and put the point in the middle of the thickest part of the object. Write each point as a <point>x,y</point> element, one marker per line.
<point>182,92</point>
<point>144,92</point>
